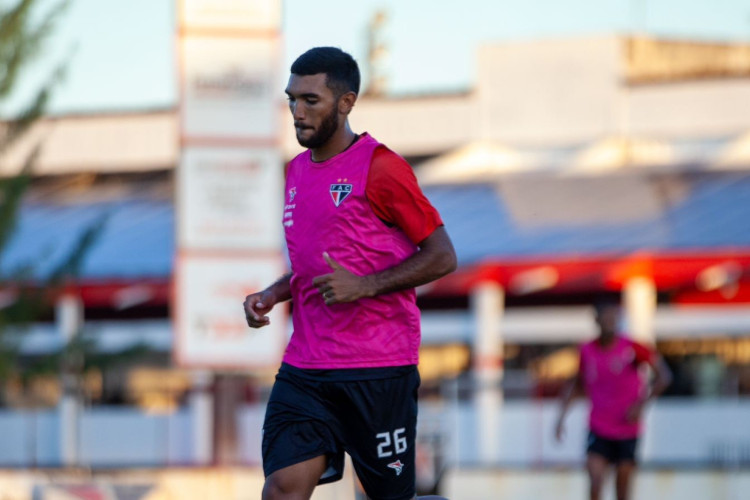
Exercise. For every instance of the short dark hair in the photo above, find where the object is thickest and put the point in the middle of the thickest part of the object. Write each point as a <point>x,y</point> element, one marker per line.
<point>605,301</point>
<point>340,68</point>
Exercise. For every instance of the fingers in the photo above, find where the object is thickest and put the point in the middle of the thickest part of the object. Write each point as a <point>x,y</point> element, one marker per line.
<point>255,319</point>
<point>322,280</point>
<point>253,323</point>
<point>329,297</point>
<point>334,265</point>
<point>323,283</point>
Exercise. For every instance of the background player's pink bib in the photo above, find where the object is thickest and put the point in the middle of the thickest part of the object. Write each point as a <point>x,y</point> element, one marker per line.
<point>613,381</point>
<point>326,210</point>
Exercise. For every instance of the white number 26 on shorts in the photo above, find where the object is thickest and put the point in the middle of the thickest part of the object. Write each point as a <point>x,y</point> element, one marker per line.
<point>399,443</point>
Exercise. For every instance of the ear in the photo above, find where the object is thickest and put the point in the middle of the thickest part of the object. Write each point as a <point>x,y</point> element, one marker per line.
<point>346,103</point>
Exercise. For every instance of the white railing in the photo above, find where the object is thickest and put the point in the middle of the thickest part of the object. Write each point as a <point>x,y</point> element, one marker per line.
<point>679,432</point>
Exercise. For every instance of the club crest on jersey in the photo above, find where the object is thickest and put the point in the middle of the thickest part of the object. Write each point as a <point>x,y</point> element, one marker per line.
<point>340,192</point>
<point>397,466</point>
<point>292,194</point>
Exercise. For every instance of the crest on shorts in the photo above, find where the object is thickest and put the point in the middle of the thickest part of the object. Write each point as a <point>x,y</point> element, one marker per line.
<point>397,466</point>
<point>340,191</point>
<point>292,194</point>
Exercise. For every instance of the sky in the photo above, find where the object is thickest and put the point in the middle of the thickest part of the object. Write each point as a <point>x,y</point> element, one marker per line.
<point>120,54</point>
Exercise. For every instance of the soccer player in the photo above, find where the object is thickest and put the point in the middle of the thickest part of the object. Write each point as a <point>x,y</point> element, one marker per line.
<point>610,374</point>
<point>361,236</point>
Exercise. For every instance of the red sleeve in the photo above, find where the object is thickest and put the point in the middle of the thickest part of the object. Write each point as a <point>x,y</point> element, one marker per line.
<point>396,198</point>
<point>644,354</point>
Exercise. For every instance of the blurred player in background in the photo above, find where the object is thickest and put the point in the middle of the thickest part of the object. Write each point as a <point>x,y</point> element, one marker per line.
<point>361,236</point>
<point>610,374</point>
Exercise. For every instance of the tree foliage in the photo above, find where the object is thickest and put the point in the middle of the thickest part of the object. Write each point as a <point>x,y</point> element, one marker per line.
<point>23,33</point>
<point>25,29</point>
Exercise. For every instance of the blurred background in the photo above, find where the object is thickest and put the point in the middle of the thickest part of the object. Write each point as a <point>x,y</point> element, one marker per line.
<point>574,149</point>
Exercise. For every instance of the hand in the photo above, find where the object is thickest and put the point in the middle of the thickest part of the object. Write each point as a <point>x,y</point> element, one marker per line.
<point>257,305</point>
<point>635,411</point>
<point>559,431</point>
<point>341,285</point>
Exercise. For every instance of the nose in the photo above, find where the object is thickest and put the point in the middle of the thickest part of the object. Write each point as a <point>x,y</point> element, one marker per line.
<point>297,111</point>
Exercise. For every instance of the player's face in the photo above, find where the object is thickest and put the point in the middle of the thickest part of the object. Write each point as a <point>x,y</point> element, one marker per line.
<point>607,319</point>
<point>314,109</point>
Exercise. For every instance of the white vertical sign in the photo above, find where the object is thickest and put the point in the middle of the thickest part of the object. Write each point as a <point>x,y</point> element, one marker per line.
<point>229,182</point>
<point>230,199</point>
<point>255,15</point>
<point>229,89</point>
<point>213,328</point>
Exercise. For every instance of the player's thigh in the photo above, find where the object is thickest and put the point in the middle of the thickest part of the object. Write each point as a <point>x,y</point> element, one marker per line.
<point>297,427</point>
<point>598,458</point>
<point>598,446</point>
<point>295,481</point>
<point>380,425</point>
<point>626,451</point>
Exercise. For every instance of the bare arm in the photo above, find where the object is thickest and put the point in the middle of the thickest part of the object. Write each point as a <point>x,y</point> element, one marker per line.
<point>435,258</point>
<point>259,304</point>
<point>572,388</point>
<point>662,379</point>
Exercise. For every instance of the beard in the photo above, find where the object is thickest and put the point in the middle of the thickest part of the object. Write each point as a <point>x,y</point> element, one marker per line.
<point>325,131</point>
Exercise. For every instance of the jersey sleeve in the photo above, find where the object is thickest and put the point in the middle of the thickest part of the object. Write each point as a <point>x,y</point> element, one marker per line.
<point>643,354</point>
<point>396,198</point>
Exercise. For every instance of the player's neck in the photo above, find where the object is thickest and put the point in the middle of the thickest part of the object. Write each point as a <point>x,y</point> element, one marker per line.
<point>339,142</point>
<point>607,341</point>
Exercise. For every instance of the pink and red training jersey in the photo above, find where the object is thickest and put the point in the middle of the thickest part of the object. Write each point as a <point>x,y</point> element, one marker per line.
<point>327,210</point>
<point>613,381</point>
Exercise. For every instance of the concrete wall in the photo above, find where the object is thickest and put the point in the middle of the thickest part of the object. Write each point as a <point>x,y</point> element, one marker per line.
<point>679,432</point>
<point>109,436</point>
<point>550,92</point>
<point>126,142</point>
<point>488,484</point>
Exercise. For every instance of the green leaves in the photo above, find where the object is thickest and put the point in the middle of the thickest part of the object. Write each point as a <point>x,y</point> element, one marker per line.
<point>22,38</point>
<point>24,296</point>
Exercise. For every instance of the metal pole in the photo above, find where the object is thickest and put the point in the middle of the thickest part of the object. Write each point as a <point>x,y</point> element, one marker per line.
<point>69,318</point>
<point>487,304</point>
<point>639,299</point>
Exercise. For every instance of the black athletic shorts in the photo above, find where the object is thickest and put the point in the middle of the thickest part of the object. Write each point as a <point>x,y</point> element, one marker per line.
<point>614,450</point>
<point>369,413</point>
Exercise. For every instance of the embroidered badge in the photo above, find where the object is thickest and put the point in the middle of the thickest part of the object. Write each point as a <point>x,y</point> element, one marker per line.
<point>340,191</point>
<point>397,466</point>
<point>292,194</point>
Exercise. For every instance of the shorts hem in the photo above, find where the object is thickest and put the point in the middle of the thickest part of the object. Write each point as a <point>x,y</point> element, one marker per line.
<point>407,497</point>
<point>614,461</point>
<point>267,471</point>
